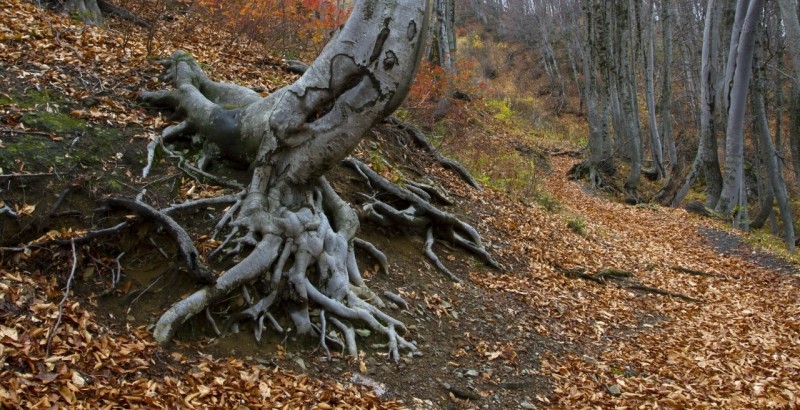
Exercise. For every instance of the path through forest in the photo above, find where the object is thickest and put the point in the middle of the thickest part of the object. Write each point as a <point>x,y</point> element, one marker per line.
<point>735,346</point>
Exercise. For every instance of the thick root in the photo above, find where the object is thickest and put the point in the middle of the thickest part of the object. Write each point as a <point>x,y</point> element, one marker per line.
<point>305,264</point>
<point>416,211</point>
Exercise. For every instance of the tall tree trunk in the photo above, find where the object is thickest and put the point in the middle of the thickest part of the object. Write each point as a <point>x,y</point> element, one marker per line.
<point>666,90</point>
<point>86,10</point>
<point>733,197</point>
<point>792,26</point>
<point>773,169</point>
<point>733,50</point>
<point>706,159</point>
<point>648,48</point>
<point>632,103</point>
<point>794,131</point>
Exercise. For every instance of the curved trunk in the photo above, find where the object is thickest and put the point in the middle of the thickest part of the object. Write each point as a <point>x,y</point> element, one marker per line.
<point>302,232</point>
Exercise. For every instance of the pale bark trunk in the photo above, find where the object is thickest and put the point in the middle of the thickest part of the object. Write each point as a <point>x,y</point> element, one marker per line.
<point>656,150</point>
<point>733,197</point>
<point>86,10</point>
<point>771,164</point>
<point>706,159</point>
<point>666,91</point>
<point>290,139</point>
<point>791,24</point>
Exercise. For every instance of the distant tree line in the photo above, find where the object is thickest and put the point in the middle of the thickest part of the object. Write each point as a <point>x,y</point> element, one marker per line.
<point>684,92</point>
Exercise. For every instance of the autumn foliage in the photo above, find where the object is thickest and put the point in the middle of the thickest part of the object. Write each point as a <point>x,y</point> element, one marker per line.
<point>295,27</point>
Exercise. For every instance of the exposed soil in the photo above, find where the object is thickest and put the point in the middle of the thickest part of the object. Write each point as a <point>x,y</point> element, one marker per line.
<point>730,244</point>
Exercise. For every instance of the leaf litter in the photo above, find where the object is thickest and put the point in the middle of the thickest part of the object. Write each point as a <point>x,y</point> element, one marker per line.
<point>607,346</point>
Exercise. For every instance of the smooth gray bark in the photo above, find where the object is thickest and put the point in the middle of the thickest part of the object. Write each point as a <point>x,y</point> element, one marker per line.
<point>733,198</point>
<point>656,149</point>
<point>706,159</point>
<point>301,231</point>
<point>665,113</point>
<point>87,10</point>
<point>788,9</point>
<point>771,164</point>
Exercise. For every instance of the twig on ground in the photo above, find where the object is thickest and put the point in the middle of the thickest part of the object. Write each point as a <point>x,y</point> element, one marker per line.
<point>136,299</point>
<point>695,272</point>
<point>79,240</point>
<point>54,329</point>
<point>60,200</point>
<point>19,175</point>
<point>657,291</point>
<point>8,211</point>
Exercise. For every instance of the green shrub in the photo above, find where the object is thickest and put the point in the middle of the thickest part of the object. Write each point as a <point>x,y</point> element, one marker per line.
<point>577,225</point>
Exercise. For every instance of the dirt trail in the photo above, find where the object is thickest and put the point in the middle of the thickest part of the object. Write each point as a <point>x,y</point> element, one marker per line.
<point>737,348</point>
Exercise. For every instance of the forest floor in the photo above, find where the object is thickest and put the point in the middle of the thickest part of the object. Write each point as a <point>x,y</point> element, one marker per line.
<point>598,304</point>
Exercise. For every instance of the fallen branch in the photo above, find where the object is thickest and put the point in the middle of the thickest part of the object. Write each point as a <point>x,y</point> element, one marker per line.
<point>619,277</point>
<point>26,132</point>
<point>122,13</point>
<point>79,240</point>
<point>225,199</point>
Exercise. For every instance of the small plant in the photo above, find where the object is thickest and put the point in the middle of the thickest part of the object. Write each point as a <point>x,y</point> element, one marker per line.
<point>577,225</point>
<point>502,109</point>
<point>547,201</point>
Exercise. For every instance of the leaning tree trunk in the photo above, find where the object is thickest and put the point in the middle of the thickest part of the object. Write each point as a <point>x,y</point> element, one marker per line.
<point>302,233</point>
<point>771,164</point>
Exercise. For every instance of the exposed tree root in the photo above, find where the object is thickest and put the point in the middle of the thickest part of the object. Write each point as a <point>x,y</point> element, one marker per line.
<point>299,233</point>
<point>419,139</point>
<point>54,329</point>
<point>621,278</point>
<point>303,262</point>
<point>190,255</point>
<point>694,272</point>
<point>599,177</point>
<point>413,210</point>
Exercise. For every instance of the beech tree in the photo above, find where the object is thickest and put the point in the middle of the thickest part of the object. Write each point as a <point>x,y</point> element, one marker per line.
<point>733,199</point>
<point>302,234</point>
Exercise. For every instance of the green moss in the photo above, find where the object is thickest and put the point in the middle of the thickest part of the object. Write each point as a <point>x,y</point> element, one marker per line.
<point>29,99</point>
<point>502,109</point>
<point>57,123</point>
<point>108,135</point>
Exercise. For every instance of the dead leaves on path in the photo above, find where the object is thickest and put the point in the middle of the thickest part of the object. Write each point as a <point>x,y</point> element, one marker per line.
<point>628,349</point>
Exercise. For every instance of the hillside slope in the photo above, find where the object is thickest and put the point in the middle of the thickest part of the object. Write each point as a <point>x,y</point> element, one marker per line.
<point>597,304</point>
